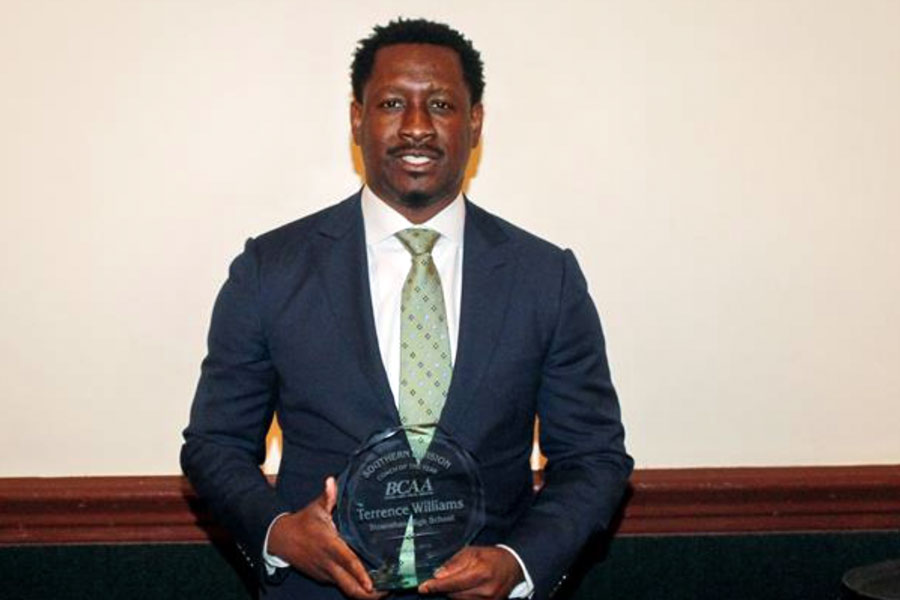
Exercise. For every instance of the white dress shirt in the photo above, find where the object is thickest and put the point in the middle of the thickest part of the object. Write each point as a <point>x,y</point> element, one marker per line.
<point>389,262</point>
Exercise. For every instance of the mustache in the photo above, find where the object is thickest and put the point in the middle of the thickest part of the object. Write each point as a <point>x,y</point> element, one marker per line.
<point>424,149</point>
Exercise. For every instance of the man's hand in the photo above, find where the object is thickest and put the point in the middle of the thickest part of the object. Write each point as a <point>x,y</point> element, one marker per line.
<point>309,541</point>
<point>476,572</point>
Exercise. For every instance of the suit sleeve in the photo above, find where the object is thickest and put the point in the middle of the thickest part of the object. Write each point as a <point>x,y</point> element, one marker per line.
<point>231,413</point>
<point>582,436</point>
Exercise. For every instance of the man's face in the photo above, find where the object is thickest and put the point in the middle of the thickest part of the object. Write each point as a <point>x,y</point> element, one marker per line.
<point>416,126</point>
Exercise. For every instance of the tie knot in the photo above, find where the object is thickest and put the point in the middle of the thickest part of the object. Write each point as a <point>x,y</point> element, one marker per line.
<point>418,241</point>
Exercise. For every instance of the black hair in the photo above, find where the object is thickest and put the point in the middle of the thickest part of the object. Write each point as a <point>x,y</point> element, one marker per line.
<point>417,31</point>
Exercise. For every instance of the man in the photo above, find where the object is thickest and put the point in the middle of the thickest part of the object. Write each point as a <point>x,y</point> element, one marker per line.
<point>311,322</point>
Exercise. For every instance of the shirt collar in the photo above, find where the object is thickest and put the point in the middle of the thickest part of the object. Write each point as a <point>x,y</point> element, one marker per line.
<point>382,222</point>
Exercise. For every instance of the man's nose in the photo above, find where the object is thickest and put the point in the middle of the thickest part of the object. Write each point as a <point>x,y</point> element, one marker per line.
<point>417,125</point>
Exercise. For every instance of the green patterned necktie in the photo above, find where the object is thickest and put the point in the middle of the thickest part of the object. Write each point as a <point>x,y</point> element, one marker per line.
<point>425,365</point>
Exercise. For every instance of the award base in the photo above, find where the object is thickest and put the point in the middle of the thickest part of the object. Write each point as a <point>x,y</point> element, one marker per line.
<point>386,578</point>
<point>391,576</point>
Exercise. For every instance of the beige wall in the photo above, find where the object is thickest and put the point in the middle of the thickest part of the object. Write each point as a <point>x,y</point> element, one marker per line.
<point>728,173</point>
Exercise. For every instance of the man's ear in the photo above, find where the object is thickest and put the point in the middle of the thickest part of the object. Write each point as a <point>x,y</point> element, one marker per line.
<point>476,117</point>
<point>356,112</point>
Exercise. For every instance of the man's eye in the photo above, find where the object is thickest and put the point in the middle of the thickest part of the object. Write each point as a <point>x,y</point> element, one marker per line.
<point>390,103</point>
<point>441,105</point>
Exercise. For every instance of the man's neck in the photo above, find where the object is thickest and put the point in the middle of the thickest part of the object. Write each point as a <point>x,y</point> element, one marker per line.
<point>382,221</point>
<point>418,214</point>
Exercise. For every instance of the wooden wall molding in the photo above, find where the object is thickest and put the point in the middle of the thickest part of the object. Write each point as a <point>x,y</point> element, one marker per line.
<point>112,510</point>
<point>775,499</point>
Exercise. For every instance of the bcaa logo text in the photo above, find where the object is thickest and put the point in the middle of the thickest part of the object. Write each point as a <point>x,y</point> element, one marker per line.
<point>404,488</point>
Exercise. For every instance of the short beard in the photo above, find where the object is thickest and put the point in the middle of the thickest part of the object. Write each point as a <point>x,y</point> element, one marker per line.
<point>416,199</point>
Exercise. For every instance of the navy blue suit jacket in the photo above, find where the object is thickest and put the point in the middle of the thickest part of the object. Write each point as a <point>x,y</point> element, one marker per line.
<point>292,331</point>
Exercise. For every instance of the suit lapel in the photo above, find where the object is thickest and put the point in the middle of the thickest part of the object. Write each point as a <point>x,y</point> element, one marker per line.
<point>340,254</point>
<point>488,266</point>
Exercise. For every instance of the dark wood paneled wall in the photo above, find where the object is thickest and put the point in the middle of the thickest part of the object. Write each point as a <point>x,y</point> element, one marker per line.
<point>114,510</point>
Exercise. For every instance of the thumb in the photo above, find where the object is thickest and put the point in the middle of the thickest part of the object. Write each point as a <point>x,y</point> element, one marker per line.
<point>329,495</point>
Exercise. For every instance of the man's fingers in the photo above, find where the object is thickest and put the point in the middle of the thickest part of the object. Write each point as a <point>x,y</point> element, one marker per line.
<point>358,571</point>
<point>342,567</point>
<point>455,575</point>
<point>349,573</point>
<point>350,586</point>
<point>456,563</point>
<point>450,583</point>
<point>346,560</point>
<point>475,572</point>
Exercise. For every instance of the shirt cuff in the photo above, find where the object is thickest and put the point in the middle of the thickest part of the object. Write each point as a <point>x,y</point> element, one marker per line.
<point>271,561</point>
<point>524,589</point>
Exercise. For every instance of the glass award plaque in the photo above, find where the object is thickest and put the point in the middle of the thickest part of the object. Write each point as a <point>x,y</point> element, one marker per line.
<point>405,513</point>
